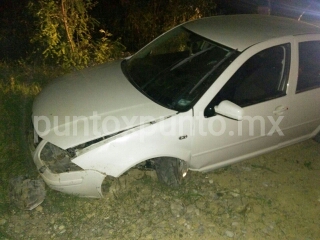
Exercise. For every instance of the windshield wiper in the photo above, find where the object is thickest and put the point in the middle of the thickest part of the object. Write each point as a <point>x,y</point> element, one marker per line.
<point>190,58</point>
<point>176,65</point>
<point>212,70</point>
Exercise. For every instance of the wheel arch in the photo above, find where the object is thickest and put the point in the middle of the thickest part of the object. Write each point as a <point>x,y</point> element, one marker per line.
<point>110,160</point>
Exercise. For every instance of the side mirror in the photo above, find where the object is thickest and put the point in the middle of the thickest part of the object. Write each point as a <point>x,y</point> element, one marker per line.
<point>230,110</point>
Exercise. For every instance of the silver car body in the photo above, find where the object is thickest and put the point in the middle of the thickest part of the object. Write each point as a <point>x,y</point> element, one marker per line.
<point>124,127</point>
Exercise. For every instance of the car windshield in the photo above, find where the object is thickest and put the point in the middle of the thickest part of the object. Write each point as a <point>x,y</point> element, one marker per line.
<point>177,68</point>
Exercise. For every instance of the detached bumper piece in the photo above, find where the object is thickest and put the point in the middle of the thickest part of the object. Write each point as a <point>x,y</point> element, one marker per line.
<point>26,194</point>
<point>60,173</point>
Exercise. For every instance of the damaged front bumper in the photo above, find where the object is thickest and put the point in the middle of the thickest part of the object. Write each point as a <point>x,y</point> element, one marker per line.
<point>61,174</point>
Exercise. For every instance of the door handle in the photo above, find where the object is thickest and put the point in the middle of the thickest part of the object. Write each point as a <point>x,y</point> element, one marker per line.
<point>280,109</point>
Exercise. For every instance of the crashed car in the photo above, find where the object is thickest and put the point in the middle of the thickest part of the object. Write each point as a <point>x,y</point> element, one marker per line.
<point>206,94</point>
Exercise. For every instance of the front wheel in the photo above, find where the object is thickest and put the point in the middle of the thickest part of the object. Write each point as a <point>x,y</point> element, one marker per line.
<point>170,171</point>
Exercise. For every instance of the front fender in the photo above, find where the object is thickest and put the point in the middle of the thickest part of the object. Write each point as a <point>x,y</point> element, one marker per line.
<point>170,137</point>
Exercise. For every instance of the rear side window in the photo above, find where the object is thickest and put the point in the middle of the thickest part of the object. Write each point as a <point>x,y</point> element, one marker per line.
<point>309,66</point>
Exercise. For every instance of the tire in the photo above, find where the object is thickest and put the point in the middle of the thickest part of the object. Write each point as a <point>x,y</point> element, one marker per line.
<point>317,138</point>
<point>170,171</point>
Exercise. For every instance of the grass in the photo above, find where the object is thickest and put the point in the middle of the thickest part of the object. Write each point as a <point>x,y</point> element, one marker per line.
<point>141,201</point>
<point>19,84</point>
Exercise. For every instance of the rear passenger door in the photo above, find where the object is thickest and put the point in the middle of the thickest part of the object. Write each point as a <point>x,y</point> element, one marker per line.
<point>304,113</point>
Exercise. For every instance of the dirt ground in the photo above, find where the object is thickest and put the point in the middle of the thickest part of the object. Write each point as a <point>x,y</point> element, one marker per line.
<point>273,196</point>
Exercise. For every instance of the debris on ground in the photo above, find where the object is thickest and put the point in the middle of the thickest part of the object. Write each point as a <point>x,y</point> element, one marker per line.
<point>25,193</point>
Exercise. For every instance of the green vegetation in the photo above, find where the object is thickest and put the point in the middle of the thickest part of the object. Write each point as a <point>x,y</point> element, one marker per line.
<point>59,36</point>
<point>64,34</point>
<point>81,33</point>
<point>141,21</point>
<point>19,83</point>
<point>137,206</point>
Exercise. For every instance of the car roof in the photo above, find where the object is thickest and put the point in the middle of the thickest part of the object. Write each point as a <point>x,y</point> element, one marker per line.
<point>242,31</point>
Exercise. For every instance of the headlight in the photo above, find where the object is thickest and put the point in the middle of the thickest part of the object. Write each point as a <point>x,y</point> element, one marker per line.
<point>57,159</point>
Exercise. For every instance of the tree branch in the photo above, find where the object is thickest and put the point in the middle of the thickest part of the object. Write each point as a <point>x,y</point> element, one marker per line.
<point>65,21</point>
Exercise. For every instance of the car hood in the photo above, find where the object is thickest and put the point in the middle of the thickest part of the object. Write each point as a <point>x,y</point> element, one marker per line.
<point>90,104</point>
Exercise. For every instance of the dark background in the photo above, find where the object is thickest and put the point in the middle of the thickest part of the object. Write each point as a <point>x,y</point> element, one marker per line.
<point>17,24</point>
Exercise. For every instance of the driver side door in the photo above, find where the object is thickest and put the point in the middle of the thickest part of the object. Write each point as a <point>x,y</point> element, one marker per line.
<point>257,92</point>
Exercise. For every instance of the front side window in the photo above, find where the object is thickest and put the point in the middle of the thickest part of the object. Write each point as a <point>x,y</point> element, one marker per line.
<point>263,77</point>
<point>177,68</point>
<point>309,66</point>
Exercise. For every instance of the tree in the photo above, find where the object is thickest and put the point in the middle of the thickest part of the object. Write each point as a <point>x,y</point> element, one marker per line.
<point>64,34</point>
<point>143,20</point>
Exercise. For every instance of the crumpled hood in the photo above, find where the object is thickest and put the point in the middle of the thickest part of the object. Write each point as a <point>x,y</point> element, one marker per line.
<point>91,103</point>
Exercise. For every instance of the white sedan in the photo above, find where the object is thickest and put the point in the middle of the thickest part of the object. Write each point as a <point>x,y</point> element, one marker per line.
<point>208,93</point>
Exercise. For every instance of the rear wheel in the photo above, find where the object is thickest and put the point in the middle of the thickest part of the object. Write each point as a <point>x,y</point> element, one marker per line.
<point>170,171</point>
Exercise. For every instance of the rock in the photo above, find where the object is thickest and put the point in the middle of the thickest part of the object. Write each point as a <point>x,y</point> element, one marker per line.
<point>181,221</point>
<point>197,211</point>
<point>235,193</point>
<point>177,208</point>
<point>229,234</point>
<point>39,209</point>
<point>149,236</point>
<point>90,215</point>
<point>152,175</point>
<point>268,229</point>
<point>191,208</point>
<point>62,229</point>
<point>234,224</point>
